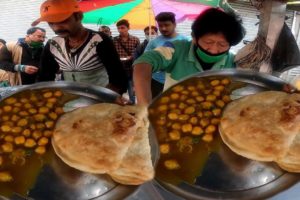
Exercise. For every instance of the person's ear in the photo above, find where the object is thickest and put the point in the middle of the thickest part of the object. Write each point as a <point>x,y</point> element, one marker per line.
<point>78,16</point>
<point>193,38</point>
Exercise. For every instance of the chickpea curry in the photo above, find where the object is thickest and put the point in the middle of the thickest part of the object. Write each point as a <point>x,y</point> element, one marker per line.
<point>185,119</point>
<point>27,120</point>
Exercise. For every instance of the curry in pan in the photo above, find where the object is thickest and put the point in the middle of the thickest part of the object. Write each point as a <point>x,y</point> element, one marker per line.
<point>186,119</point>
<point>27,120</point>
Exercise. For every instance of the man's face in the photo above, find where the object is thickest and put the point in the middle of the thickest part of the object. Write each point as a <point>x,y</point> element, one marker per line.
<point>123,30</point>
<point>166,28</point>
<point>147,33</point>
<point>106,31</point>
<point>66,28</point>
<point>37,36</point>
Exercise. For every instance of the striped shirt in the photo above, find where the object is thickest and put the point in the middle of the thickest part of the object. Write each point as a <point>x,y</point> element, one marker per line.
<point>96,53</point>
<point>84,58</point>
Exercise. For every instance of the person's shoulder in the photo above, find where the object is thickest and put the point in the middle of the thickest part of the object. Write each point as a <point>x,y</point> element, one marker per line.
<point>134,38</point>
<point>181,37</point>
<point>181,45</point>
<point>94,33</point>
<point>91,31</point>
<point>11,43</point>
<point>231,54</point>
<point>159,39</point>
<point>56,39</point>
<point>96,36</point>
<point>116,38</point>
<point>180,42</point>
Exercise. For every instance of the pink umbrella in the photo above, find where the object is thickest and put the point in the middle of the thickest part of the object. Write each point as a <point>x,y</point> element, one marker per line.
<point>182,10</point>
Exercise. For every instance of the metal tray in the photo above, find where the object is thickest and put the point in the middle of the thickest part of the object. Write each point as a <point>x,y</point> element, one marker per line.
<point>57,181</point>
<point>227,175</point>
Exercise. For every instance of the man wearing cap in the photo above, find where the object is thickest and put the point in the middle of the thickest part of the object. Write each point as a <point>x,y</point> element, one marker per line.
<point>81,54</point>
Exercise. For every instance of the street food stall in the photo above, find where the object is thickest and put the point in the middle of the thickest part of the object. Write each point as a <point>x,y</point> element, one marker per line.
<point>227,134</point>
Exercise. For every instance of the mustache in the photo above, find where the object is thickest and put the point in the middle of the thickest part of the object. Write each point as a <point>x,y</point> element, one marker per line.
<point>61,32</point>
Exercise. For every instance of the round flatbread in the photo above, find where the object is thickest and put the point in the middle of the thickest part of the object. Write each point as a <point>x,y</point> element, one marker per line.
<point>96,138</point>
<point>263,126</point>
<point>291,161</point>
<point>136,166</point>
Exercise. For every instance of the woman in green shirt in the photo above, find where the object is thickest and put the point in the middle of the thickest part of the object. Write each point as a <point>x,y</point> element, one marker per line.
<point>213,31</point>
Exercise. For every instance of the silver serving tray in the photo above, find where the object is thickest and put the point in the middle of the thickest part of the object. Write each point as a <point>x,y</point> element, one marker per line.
<point>227,175</point>
<point>57,181</point>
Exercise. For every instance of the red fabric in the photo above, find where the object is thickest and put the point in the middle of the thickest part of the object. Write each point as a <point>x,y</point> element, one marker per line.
<point>89,5</point>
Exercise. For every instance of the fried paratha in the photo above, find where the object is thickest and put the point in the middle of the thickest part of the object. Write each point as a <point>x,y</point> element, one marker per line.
<point>96,138</point>
<point>264,127</point>
<point>136,166</point>
<point>291,161</point>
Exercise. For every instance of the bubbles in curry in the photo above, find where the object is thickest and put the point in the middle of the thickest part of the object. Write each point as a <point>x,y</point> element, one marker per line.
<point>27,120</point>
<point>186,119</point>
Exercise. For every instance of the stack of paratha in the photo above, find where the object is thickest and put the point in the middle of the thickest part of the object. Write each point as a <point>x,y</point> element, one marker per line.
<point>106,138</point>
<point>265,127</point>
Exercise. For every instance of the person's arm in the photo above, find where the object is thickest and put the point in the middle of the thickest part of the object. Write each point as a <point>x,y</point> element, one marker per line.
<point>110,58</point>
<point>6,62</point>
<point>160,59</point>
<point>142,74</point>
<point>48,67</point>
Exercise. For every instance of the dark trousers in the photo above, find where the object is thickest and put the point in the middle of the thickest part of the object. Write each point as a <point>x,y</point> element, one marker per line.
<point>156,88</point>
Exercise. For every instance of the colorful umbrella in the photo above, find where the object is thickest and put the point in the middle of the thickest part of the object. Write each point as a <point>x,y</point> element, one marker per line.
<point>96,4</point>
<point>213,3</point>
<point>140,13</point>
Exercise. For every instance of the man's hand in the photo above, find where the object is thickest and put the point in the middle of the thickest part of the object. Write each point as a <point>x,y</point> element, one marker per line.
<point>29,69</point>
<point>123,101</point>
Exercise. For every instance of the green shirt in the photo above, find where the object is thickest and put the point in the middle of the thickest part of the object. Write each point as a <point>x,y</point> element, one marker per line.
<point>178,60</point>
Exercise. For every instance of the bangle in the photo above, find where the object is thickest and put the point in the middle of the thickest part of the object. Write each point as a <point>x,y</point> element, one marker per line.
<point>16,68</point>
<point>22,68</point>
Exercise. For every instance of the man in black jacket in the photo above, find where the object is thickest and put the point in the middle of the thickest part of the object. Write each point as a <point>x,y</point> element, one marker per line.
<point>82,55</point>
<point>24,55</point>
<point>150,34</point>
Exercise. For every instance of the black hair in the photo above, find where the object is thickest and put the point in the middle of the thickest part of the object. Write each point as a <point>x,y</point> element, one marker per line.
<point>2,41</point>
<point>214,20</point>
<point>34,29</point>
<point>152,27</point>
<point>123,22</point>
<point>103,26</point>
<point>165,16</point>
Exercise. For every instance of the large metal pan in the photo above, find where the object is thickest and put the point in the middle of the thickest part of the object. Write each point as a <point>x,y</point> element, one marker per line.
<point>56,180</point>
<point>227,175</point>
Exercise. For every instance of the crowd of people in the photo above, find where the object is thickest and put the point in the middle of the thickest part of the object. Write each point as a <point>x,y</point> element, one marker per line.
<point>121,63</point>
